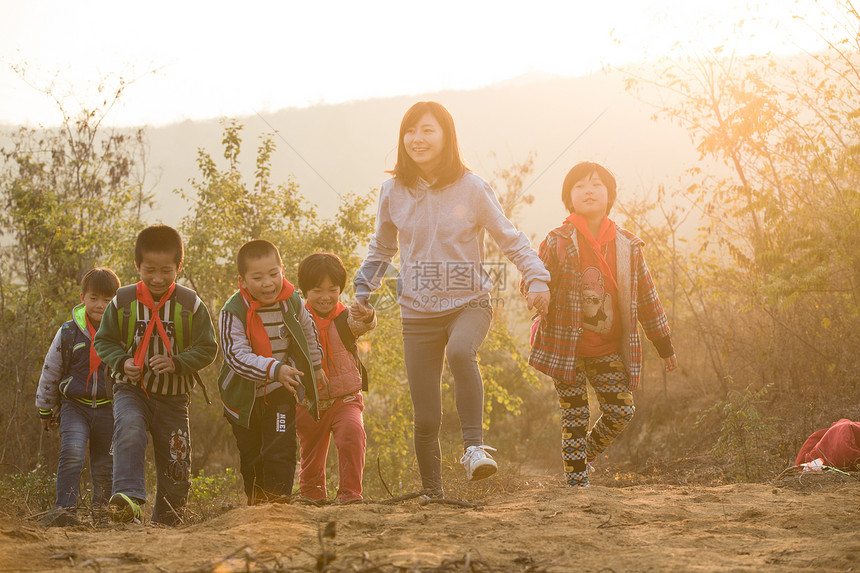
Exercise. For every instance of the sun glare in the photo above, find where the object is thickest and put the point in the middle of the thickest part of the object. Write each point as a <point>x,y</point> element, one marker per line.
<point>226,59</point>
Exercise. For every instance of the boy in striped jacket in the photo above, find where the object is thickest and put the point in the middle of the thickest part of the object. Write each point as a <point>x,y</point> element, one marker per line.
<point>155,336</point>
<point>272,360</point>
<point>600,289</point>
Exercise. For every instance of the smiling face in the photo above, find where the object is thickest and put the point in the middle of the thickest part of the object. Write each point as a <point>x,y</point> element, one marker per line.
<point>264,278</point>
<point>424,143</point>
<point>158,271</point>
<point>589,197</point>
<point>95,305</point>
<point>323,297</point>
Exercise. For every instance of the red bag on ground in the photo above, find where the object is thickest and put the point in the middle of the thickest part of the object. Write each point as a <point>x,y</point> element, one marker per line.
<point>838,446</point>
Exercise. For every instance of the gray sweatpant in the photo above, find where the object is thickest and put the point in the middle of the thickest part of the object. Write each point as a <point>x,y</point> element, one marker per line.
<point>426,343</point>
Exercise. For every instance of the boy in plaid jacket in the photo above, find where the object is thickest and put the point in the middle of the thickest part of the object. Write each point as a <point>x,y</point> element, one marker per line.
<point>600,289</point>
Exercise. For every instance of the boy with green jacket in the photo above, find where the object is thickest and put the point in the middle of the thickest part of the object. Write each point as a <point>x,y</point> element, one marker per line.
<point>155,336</point>
<point>272,359</point>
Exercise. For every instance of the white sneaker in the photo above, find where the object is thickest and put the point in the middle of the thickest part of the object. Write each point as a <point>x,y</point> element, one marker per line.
<point>478,463</point>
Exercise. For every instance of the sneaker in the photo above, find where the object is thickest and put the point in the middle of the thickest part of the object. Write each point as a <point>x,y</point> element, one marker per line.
<point>478,463</point>
<point>124,509</point>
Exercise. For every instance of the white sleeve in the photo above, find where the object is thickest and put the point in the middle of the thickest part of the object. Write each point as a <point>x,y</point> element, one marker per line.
<point>238,353</point>
<point>380,251</point>
<point>48,394</point>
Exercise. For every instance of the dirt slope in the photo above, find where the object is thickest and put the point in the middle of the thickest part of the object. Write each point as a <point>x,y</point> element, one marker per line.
<point>809,525</point>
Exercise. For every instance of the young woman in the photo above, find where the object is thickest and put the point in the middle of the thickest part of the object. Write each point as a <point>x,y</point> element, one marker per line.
<point>436,212</point>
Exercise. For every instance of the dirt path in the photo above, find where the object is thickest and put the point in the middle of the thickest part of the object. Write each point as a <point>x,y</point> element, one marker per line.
<point>742,527</point>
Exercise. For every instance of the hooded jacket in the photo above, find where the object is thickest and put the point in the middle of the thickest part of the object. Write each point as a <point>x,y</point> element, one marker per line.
<point>56,383</point>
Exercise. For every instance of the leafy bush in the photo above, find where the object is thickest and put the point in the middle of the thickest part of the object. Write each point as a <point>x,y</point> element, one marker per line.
<point>744,433</point>
<point>212,495</point>
<point>27,493</point>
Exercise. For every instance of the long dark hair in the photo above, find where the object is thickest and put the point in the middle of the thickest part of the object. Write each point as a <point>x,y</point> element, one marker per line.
<point>451,167</point>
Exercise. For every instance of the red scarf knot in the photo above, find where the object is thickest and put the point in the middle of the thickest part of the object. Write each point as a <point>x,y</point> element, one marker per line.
<point>605,235</point>
<point>323,324</point>
<point>95,361</point>
<point>257,335</point>
<point>144,296</point>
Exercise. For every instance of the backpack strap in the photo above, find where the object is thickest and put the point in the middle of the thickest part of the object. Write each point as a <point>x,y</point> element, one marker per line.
<point>344,331</point>
<point>348,339</point>
<point>562,243</point>
<point>187,300</point>
<point>126,309</point>
<point>561,249</point>
<point>67,345</point>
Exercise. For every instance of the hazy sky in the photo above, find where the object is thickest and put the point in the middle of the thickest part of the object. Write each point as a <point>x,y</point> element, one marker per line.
<point>215,58</point>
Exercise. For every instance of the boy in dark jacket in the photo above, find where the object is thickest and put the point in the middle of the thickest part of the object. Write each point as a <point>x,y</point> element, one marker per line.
<point>73,382</point>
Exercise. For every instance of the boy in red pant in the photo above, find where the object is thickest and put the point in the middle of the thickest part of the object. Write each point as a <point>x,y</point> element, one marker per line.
<point>322,278</point>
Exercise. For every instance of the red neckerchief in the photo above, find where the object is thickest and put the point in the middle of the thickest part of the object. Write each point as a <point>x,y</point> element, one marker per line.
<point>95,361</point>
<point>323,324</point>
<point>254,329</point>
<point>605,235</point>
<point>145,298</point>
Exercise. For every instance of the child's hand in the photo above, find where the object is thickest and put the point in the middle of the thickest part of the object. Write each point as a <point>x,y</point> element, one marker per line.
<point>131,370</point>
<point>48,423</point>
<point>671,363</point>
<point>321,378</point>
<point>162,364</point>
<point>288,376</point>
<point>361,311</point>
<point>539,301</point>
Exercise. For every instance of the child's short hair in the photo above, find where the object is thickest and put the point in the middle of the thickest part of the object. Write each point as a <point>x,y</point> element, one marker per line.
<point>101,281</point>
<point>255,249</point>
<point>585,169</point>
<point>159,239</point>
<point>316,267</point>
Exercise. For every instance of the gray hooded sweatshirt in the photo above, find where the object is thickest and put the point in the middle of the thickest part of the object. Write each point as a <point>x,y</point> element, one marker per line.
<point>440,234</point>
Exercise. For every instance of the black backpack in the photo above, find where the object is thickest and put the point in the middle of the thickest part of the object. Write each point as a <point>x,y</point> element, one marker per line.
<point>67,346</point>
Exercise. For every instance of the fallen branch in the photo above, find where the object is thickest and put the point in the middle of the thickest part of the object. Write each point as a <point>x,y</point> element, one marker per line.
<point>379,472</point>
<point>444,501</point>
<point>173,509</point>
<point>405,497</point>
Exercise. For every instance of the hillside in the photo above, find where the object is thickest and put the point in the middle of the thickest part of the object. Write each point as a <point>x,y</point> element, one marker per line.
<point>332,150</point>
<point>795,524</point>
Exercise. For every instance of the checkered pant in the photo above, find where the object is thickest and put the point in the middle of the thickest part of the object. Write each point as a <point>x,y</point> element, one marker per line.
<point>609,380</point>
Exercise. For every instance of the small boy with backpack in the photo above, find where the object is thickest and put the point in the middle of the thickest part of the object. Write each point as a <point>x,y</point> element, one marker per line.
<point>272,360</point>
<point>73,379</point>
<point>155,336</point>
<point>322,278</point>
